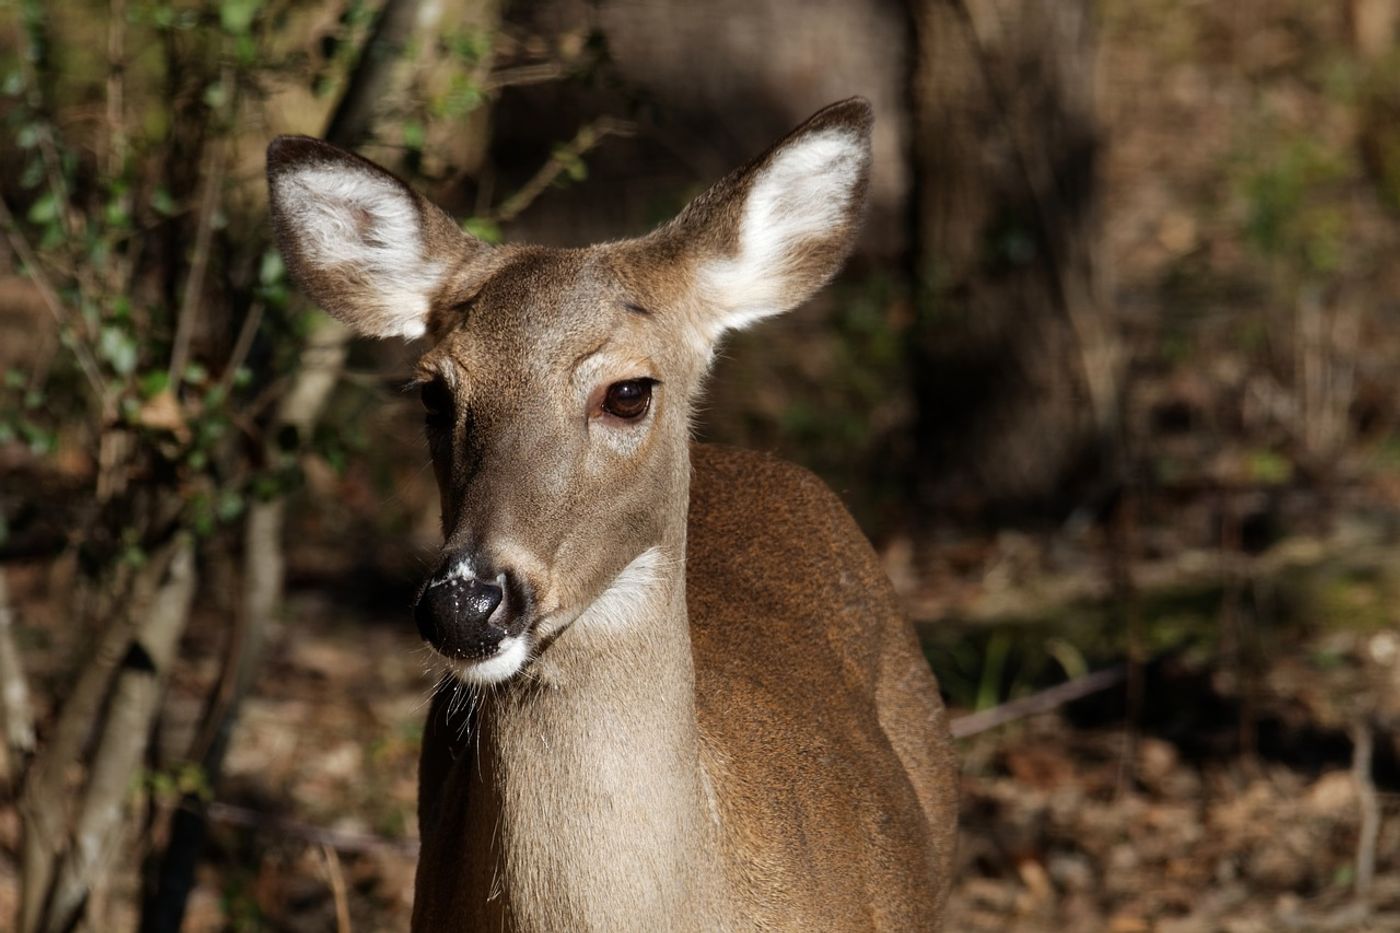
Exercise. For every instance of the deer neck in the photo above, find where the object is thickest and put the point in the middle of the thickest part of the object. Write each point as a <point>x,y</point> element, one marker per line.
<point>596,769</point>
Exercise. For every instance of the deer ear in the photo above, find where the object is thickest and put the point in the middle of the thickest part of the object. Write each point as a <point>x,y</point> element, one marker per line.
<point>364,245</point>
<point>769,235</point>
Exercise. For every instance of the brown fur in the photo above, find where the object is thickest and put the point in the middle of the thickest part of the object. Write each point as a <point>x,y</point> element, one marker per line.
<point>753,743</point>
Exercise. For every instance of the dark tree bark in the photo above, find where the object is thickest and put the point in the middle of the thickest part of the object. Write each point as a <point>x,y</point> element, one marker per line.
<point>1015,362</point>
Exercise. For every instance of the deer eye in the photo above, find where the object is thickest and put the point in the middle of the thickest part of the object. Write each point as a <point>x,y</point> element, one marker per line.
<point>628,400</point>
<point>437,402</point>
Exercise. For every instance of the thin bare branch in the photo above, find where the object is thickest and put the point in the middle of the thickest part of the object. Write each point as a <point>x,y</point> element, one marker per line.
<point>588,137</point>
<point>116,87</point>
<point>204,235</point>
<point>297,829</point>
<point>353,116</point>
<point>34,20</point>
<point>521,75</point>
<point>1045,701</point>
<point>1075,293</point>
<point>246,332</point>
<point>337,880</point>
<point>16,712</point>
<point>1363,747</point>
<point>49,296</point>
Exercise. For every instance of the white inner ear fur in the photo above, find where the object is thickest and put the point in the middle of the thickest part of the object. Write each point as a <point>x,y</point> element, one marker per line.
<point>346,217</point>
<point>804,192</point>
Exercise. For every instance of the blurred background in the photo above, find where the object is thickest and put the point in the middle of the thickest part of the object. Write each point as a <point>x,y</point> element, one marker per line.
<point>1111,383</point>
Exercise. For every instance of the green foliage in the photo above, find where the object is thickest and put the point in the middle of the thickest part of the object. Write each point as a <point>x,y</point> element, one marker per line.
<point>484,228</point>
<point>1294,213</point>
<point>97,219</point>
<point>170,785</point>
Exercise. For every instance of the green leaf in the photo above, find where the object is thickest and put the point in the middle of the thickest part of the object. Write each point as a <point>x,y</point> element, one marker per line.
<point>40,440</point>
<point>229,505</point>
<point>483,228</point>
<point>153,383</point>
<point>163,203</point>
<point>271,270</point>
<point>32,175</point>
<point>117,214</point>
<point>118,348</point>
<point>215,95</point>
<point>1269,468</point>
<point>236,16</point>
<point>44,210</point>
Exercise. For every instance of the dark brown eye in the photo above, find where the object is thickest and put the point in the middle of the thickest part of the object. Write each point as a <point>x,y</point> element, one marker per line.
<point>628,400</point>
<point>437,402</point>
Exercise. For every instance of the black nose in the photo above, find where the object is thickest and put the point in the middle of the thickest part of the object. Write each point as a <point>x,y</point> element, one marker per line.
<point>454,616</point>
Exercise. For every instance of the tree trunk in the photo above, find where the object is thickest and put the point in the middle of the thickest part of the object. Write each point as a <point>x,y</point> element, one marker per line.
<point>1016,364</point>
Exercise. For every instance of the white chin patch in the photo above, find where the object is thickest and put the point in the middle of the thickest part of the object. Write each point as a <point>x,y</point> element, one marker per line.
<point>509,658</point>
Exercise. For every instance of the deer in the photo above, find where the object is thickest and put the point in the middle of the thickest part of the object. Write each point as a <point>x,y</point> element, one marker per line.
<point>680,693</point>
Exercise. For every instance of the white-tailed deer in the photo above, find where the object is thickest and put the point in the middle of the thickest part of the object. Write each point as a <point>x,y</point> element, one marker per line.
<point>684,695</point>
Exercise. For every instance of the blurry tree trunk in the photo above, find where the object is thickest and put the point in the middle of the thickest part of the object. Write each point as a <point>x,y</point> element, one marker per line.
<point>1372,24</point>
<point>1016,362</point>
<point>68,837</point>
<point>16,712</point>
<point>121,748</point>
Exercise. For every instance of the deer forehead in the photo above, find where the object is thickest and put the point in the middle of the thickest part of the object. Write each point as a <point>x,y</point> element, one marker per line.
<point>552,316</point>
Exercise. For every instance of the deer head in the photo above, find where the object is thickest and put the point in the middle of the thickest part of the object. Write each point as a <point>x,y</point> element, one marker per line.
<point>557,384</point>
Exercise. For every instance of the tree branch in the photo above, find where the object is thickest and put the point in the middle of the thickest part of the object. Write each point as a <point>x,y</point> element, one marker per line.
<point>354,115</point>
<point>126,735</point>
<point>204,235</point>
<point>16,713</point>
<point>49,296</point>
<point>1037,703</point>
<point>587,138</point>
<point>45,802</point>
<point>1363,746</point>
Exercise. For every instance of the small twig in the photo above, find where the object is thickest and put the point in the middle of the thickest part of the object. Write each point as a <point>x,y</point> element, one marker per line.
<point>337,880</point>
<point>234,815</point>
<point>1037,703</point>
<point>1073,291</point>
<point>1363,746</point>
<point>33,19</point>
<point>49,296</point>
<point>199,263</point>
<point>116,87</point>
<point>523,75</point>
<point>351,121</point>
<point>246,332</point>
<point>589,136</point>
<point>16,712</point>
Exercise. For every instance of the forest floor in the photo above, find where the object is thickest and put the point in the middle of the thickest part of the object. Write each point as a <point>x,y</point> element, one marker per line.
<point>1216,791</point>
